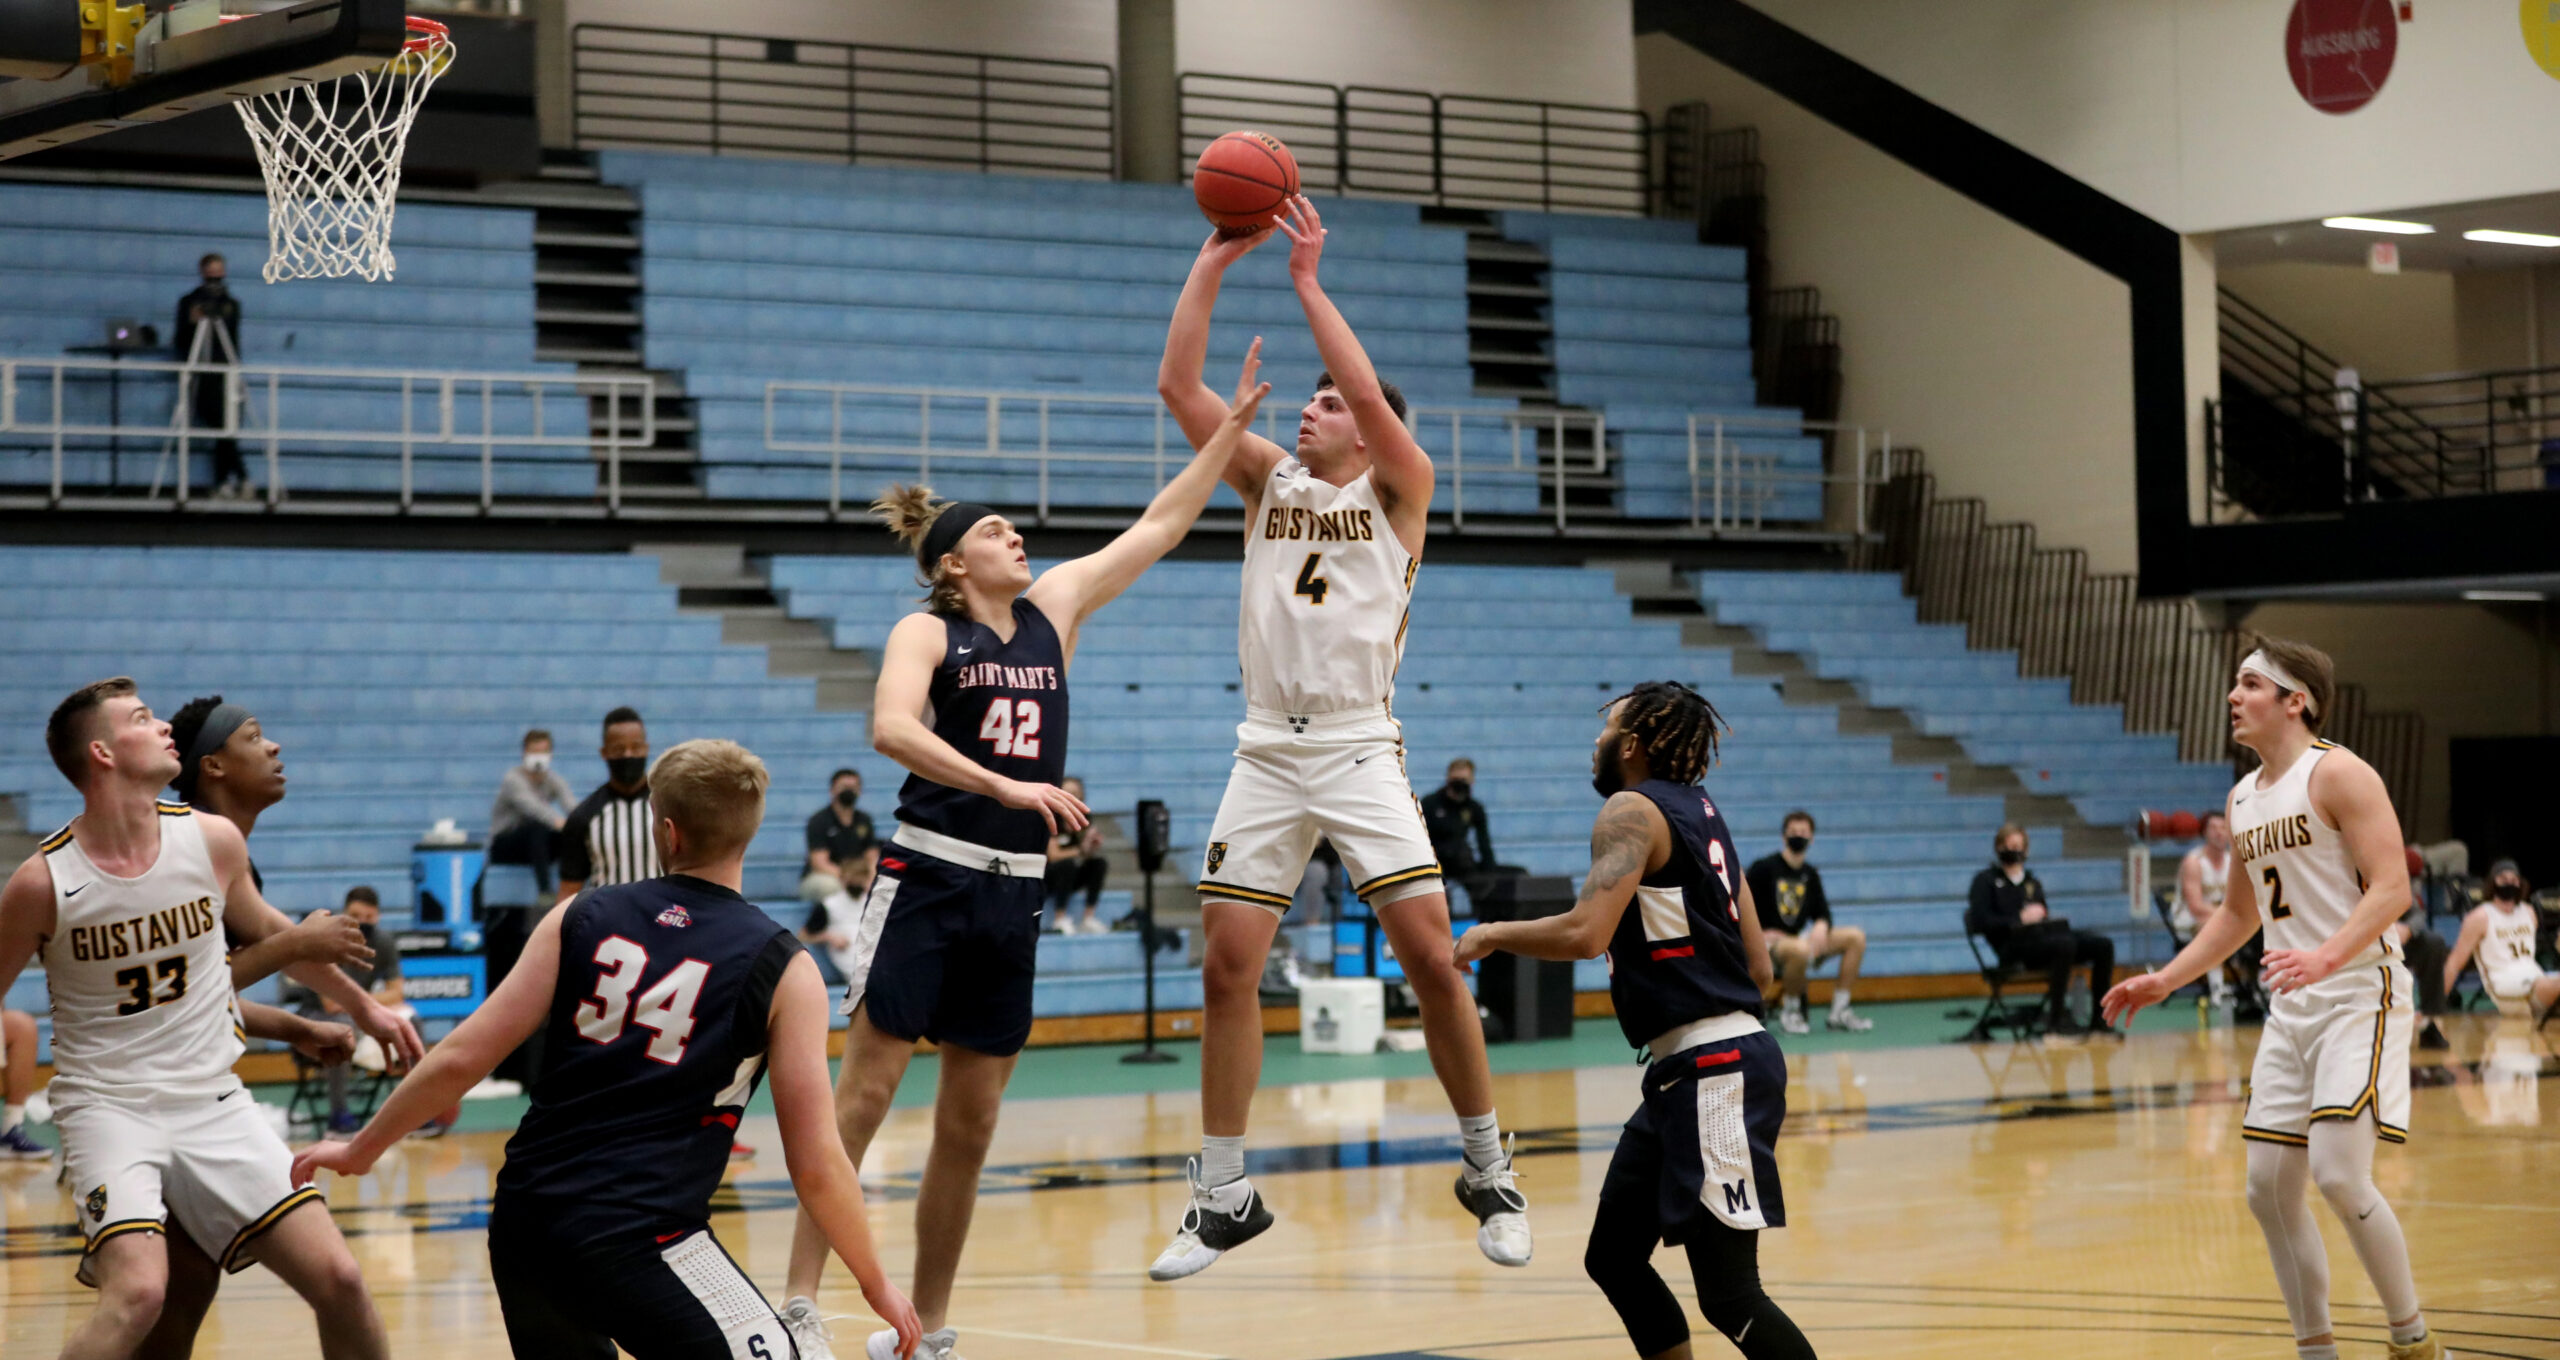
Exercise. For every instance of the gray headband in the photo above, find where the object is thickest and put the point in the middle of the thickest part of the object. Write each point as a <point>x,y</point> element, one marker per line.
<point>224,720</point>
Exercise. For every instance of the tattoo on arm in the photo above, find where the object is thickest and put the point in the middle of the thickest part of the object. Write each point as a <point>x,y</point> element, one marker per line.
<point>1621,842</point>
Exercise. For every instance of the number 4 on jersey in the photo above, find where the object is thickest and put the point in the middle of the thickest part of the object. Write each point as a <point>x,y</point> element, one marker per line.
<point>1311,585</point>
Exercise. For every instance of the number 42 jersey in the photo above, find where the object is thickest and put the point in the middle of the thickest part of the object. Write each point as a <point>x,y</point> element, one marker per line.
<point>656,1042</point>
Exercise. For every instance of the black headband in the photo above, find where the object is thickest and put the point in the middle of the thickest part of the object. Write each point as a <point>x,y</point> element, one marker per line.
<point>948,528</point>
<point>219,724</point>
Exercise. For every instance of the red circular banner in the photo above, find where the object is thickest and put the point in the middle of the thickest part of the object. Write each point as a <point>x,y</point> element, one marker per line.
<point>2339,51</point>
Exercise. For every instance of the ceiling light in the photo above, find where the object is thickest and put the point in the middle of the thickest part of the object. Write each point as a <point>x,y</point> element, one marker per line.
<point>2505,596</point>
<point>2512,238</point>
<point>2382,224</point>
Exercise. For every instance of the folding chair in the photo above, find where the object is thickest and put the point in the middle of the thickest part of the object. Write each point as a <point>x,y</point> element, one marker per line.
<point>309,1103</point>
<point>2023,1020</point>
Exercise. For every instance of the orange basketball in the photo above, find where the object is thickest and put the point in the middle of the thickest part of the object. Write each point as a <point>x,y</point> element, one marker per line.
<point>1244,180</point>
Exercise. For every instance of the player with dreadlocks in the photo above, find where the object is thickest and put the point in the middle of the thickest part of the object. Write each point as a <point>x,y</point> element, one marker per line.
<point>1696,1165</point>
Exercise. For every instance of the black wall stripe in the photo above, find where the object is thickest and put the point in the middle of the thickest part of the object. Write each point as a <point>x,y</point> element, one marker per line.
<point>2112,237</point>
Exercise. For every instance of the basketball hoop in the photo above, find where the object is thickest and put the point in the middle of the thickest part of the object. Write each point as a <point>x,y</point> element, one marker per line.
<point>330,152</point>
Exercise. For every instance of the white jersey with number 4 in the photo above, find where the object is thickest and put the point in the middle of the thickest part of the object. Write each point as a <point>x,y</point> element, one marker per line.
<point>2306,883</point>
<point>1327,589</point>
<point>139,976</point>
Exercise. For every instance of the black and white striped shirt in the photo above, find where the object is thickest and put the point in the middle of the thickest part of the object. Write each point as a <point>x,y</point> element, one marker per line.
<point>606,839</point>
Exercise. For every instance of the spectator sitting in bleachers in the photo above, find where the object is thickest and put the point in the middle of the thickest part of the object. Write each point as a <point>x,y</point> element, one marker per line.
<point>532,805</point>
<point>2425,951</point>
<point>1461,836</point>
<point>1075,863</point>
<point>381,977</point>
<point>2007,909</point>
<point>2202,876</point>
<point>2502,935</point>
<point>827,934</point>
<point>844,848</point>
<point>17,1082</point>
<point>1795,916</point>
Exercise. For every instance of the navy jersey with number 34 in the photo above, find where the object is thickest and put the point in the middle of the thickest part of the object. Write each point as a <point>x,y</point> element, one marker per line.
<point>1003,704</point>
<point>656,1042</point>
<point>1676,958</point>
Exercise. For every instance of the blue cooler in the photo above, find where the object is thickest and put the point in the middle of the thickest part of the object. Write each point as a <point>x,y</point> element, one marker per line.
<point>443,877</point>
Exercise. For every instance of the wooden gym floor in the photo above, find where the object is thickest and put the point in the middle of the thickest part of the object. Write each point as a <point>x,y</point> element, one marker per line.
<point>2027,1200</point>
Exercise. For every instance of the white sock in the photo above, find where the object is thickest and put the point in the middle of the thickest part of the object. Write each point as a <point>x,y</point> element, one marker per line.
<point>12,1116</point>
<point>1483,1135</point>
<point>1839,1000</point>
<point>1221,1160</point>
<point>2414,1329</point>
<point>2327,1350</point>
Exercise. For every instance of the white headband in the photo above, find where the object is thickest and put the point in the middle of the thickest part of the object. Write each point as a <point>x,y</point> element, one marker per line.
<point>2276,675</point>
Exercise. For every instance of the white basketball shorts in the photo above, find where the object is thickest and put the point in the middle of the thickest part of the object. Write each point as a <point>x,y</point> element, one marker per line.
<point>2335,1050</point>
<point>1335,775</point>
<point>2511,987</point>
<point>210,1158</point>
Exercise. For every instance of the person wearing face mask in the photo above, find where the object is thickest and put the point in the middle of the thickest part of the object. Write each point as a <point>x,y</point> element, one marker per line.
<point>1795,918</point>
<point>1455,821</point>
<point>2007,909</point>
<point>606,838</point>
<point>843,847</point>
<point>533,804</point>
<point>211,304</point>
<point>2502,933</point>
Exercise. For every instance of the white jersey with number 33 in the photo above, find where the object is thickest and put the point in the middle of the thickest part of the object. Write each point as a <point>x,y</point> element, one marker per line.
<point>1327,589</point>
<point>136,967</point>
<point>2306,883</point>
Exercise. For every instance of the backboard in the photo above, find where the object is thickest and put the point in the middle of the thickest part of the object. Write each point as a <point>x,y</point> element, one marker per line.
<point>85,67</point>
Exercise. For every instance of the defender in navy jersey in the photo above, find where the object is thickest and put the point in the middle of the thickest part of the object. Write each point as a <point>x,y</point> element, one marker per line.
<point>666,1002</point>
<point>1666,901</point>
<point>972,700</point>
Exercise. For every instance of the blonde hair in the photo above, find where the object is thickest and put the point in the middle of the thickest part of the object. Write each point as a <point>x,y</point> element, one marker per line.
<point>713,791</point>
<point>910,510</point>
<point>2311,666</point>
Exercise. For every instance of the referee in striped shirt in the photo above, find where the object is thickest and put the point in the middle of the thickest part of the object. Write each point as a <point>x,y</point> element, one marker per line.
<point>606,839</point>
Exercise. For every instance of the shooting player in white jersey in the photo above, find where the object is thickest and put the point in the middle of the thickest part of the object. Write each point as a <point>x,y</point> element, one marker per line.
<point>2316,850</point>
<point>1333,536</point>
<point>129,906</point>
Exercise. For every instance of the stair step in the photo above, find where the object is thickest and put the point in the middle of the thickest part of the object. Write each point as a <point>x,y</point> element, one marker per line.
<point>1509,358</point>
<point>599,427</point>
<point>636,453</point>
<point>583,316</point>
<point>586,354</point>
<point>1479,321</point>
<point>552,276</point>
<point>1503,252</point>
<point>570,173</point>
<point>584,240</point>
<point>1527,291</point>
<point>588,195</point>
<point>660,491</point>
<point>1521,391</point>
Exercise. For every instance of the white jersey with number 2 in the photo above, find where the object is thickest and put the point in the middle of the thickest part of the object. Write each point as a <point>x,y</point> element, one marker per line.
<point>1327,589</point>
<point>2306,883</point>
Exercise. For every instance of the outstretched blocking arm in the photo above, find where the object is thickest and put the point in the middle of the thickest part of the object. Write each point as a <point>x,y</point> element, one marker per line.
<point>502,1023</point>
<point>1069,592</point>
<point>2347,794</point>
<point>250,917</point>
<point>812,1149</point>
<point>1630,839</point>
<point>1398,466</point>
<point>898,729</point>
<point>1195,405</point>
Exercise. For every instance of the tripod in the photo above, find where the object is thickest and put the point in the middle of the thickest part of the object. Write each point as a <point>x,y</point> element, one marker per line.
<point>211,349</point>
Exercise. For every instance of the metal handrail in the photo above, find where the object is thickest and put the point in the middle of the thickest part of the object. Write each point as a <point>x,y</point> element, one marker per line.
<point>1517,439</point>
<point>266,392</point>
<point>862,103</point>
<point>1449,150</point>
<point>1724,483</point>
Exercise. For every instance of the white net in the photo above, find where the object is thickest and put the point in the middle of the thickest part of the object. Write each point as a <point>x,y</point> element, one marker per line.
<point>331,155</point>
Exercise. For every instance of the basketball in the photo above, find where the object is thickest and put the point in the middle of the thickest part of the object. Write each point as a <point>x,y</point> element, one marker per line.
<point>1243,181</point>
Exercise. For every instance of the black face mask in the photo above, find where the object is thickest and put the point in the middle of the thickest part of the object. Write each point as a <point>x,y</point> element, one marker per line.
<point>1459,789</point>
<point>627,770</point>
<point>2506,892</point>
<point>845,798</point>
<point>2008,856</point>
<point>1608,776</point>
<point>1799,844</point>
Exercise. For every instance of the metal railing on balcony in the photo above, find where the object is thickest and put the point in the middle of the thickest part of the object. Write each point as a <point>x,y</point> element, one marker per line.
<point>1448,150</point>
<point>385,435</point>
<point>861,103</point>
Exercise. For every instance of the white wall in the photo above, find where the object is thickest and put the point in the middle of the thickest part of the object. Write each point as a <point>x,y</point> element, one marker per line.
<point>2183,108</point>
<point>1565,51</point>
<point>2386,325</point>
<point>1059,30</point>
<point>2006,359</point>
